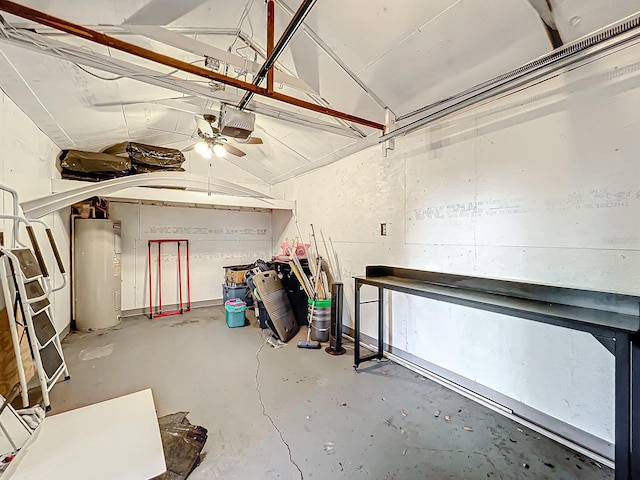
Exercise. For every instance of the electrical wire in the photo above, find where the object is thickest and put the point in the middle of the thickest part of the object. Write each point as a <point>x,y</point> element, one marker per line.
<point>245,12</point>
<point>65,51</point>
<point>132,75</point>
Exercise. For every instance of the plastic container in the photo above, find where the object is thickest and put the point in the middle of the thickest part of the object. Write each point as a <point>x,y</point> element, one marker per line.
<point>234,292</point>
<point>321,320</point>
<point>235,312</point>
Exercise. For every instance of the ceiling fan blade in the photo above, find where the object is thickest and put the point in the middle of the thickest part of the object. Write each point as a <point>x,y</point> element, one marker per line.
<point>205,127</point>
<point>233,150</point>
<point>189,148</point>
<point>249,141</point>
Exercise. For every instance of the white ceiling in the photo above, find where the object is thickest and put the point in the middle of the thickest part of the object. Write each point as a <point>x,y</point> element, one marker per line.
<point>357,56</point>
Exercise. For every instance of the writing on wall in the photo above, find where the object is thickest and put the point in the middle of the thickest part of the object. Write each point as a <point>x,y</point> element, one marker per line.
<point>592,199</point>
<point>205,231</point>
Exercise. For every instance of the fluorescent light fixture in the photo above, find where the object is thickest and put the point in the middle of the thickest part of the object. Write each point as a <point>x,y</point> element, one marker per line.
<point>219,150</point>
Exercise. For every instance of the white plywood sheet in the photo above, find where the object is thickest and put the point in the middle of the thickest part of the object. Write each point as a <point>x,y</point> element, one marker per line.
<point>118,438</point>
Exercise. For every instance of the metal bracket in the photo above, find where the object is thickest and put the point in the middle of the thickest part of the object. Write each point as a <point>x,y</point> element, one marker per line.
<point>606,342</point>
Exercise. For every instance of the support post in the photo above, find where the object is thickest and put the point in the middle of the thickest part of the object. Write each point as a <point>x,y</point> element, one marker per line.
<point>623,407</point>
<point>380,322</point>
<point>635,408</point>
<point>356,326</point>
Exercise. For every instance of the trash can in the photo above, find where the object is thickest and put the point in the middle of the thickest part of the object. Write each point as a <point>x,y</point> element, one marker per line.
<point>321,320</point>
<point>235,312</point>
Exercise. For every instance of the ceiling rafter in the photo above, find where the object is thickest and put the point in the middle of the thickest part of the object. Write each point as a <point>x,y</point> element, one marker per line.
<point>120,67</point>
<point>103,39</point>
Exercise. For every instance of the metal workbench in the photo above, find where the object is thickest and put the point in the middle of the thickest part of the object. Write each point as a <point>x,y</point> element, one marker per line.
<point>612,318</point>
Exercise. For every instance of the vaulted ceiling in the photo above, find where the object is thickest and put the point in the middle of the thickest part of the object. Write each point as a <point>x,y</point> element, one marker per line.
<point>361,57</point>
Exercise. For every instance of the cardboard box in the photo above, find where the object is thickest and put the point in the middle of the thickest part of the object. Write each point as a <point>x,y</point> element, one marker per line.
<point>234,277</point>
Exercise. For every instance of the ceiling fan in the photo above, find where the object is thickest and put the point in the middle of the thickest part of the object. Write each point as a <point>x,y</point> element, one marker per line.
<point>214,142</point>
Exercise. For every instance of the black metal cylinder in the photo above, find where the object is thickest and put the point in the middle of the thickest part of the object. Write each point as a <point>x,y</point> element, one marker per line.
<point>335,339</point>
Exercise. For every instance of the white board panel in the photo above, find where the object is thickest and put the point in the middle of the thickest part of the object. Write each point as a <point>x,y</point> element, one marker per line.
<point>118,438</point>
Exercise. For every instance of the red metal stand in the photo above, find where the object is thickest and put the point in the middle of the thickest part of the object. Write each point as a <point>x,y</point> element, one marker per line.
<point>181,308</point>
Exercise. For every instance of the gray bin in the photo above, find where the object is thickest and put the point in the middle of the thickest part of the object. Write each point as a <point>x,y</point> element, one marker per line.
<point>234,292</point>
<point>321,320</point>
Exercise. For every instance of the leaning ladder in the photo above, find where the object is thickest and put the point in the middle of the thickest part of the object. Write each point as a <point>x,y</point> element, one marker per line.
<point>27,286</point>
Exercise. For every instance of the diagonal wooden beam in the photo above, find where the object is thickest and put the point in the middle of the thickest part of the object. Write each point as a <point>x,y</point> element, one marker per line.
<point>103,39</point>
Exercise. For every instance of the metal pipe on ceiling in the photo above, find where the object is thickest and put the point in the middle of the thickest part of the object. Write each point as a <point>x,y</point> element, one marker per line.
<point>600,41</point>
<point>271,23</point>
<point>284,40</point>
<point>100,38</point>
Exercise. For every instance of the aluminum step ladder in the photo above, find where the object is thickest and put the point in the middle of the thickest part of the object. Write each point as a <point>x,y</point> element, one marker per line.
<point>27,288</point>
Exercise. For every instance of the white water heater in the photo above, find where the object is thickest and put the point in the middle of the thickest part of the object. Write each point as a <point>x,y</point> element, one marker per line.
<point>97,273</point>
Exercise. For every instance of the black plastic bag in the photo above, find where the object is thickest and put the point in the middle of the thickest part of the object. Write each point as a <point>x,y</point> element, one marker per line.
<point>94,163</point>
<point>182,443</point>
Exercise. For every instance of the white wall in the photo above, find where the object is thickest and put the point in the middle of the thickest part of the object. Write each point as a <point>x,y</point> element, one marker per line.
<point>27,165</point>
<point>541,186</point>
<point>217,238</point>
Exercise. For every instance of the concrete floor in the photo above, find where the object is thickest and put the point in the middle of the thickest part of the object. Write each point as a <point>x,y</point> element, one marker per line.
<point>289,413</point>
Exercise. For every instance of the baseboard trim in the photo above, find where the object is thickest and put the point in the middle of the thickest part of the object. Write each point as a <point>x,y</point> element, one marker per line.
<point>562,432</point>
<point>134,312</point>
<point>65,331</point>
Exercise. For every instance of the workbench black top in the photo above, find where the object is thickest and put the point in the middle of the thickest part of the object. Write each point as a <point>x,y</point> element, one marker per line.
<point>568,307</point>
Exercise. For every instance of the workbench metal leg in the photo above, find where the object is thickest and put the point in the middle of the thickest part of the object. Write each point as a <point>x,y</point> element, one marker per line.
<point>356,326</point>
<point>380,322</point>
<point>623,407</point>
<point>635,408</point>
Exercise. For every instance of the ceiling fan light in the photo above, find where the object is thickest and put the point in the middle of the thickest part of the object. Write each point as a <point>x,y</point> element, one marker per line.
<point>219,150</point>
<point>203,149</point>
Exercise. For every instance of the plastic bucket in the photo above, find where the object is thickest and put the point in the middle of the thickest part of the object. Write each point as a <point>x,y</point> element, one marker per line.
<point>235,312</point>
<point>321,319</point>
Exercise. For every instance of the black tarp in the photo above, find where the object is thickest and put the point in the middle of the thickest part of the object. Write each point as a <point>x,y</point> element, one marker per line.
<point>139,168</point>
<point>94,163</point>
<point>182,443</point>
<point>141,154</point>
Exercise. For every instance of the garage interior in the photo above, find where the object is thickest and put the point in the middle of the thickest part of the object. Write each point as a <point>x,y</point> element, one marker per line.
<point>438,187</point>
